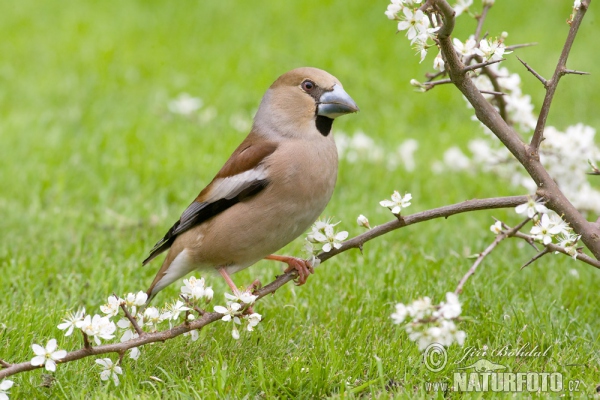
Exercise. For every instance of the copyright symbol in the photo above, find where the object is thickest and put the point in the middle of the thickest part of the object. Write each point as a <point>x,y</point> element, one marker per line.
<point>435,357</point>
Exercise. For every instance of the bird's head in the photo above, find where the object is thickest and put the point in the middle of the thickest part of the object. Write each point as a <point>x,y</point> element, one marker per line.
<point>303,101</point>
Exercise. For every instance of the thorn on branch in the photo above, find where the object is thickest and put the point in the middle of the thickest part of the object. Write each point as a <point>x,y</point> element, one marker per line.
<point>540,78</point>
<point>481,65</point>
<point>573,72</point>
<point>536,257</point>
<point>492,92</point>
<point>518,46</point>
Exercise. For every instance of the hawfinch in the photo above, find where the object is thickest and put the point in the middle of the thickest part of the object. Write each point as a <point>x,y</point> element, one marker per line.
<point>272,188</point>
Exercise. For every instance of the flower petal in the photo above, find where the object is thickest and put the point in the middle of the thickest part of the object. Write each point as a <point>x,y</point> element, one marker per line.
<point>38,350</point>
<point>50,365</point>
<point>38,360</point>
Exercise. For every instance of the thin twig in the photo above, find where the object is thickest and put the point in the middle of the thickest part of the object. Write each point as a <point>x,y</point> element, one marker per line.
<point>478,261</point>
<point>482,64</point>
<point>536,257</point>
<point>431,84</point>
<point>4,364</point>
<point>132,320</point>
<point>540,78</point>
<point>480,21</point>
<point>556,248</point>
<point>519,46</point>
<point>500,237</point>
<point>558,73</point>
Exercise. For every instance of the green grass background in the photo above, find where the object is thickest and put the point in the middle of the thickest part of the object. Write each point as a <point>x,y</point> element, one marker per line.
<point>93,170</point>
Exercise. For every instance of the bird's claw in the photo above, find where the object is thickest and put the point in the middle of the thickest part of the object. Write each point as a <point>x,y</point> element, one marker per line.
<point>303,267</point>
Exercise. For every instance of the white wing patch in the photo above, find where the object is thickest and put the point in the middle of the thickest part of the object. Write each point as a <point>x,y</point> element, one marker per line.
<point>227,188</point>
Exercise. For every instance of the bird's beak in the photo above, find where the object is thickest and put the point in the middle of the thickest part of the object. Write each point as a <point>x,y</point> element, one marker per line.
<point>336,102</point>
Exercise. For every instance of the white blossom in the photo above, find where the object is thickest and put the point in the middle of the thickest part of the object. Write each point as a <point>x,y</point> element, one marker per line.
<point>97,327</point>
<point>323,232</point>
<point>177,308</point>
<point>461,6</point>
<point>393,9</point>
<point>111,308</point>
<point>194,288</point>
<point>492,50</point>
<point>47,356</point>
<point>544,231</point>
<point>185,104</point>
<point>406,151</point>
<point>230,312</point>
<point>245,297</point>
<point>401,313</point>
<point>497,228</point>
<point>133,301</point>
<point>451,308</point>
<point>531,208</point>
<point>129,334</point>
<point>70,322</point>
<point>5,386</point>
<point>110,370</point>
<point>414,22</point>
<point>397,203</point>
<point>193,334</point>
<point>455,159</point>
<point>153,316</point>
<point>363,221</point>
<point>253,320</point>
<point>431,323</point>
<point>465,49</point>
<point>438,62</point>
<point>420,308</point>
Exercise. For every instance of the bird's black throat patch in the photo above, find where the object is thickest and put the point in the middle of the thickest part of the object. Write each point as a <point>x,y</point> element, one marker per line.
<point>324,124</point>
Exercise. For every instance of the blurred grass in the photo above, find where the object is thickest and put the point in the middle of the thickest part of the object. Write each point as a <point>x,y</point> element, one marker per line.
<point>94,170</point>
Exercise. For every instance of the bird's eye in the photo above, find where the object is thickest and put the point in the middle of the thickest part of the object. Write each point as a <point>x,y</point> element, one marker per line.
<point>307,85</point>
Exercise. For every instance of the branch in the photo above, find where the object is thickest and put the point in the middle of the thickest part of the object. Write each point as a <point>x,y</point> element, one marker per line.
<point>480,21</point>
<point>556,248</point>
<point>131,319</point>
<point>431,84</point>
<point>560,70</point>
<point>536,257</point>
<point>478,261</point>
<point>525,154</point>
<point>500,237</point>
<point>540,78</point>
<point>210,317</point>
<point>482,64</point>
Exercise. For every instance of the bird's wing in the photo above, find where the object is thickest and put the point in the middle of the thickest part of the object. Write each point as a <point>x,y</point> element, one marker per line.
<point>243,176</point>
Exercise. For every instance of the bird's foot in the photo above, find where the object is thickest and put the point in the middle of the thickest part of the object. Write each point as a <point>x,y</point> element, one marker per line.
<point>303,267</point>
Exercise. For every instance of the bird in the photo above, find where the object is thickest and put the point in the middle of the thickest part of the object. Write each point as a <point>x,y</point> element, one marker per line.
<point>273,187</point>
